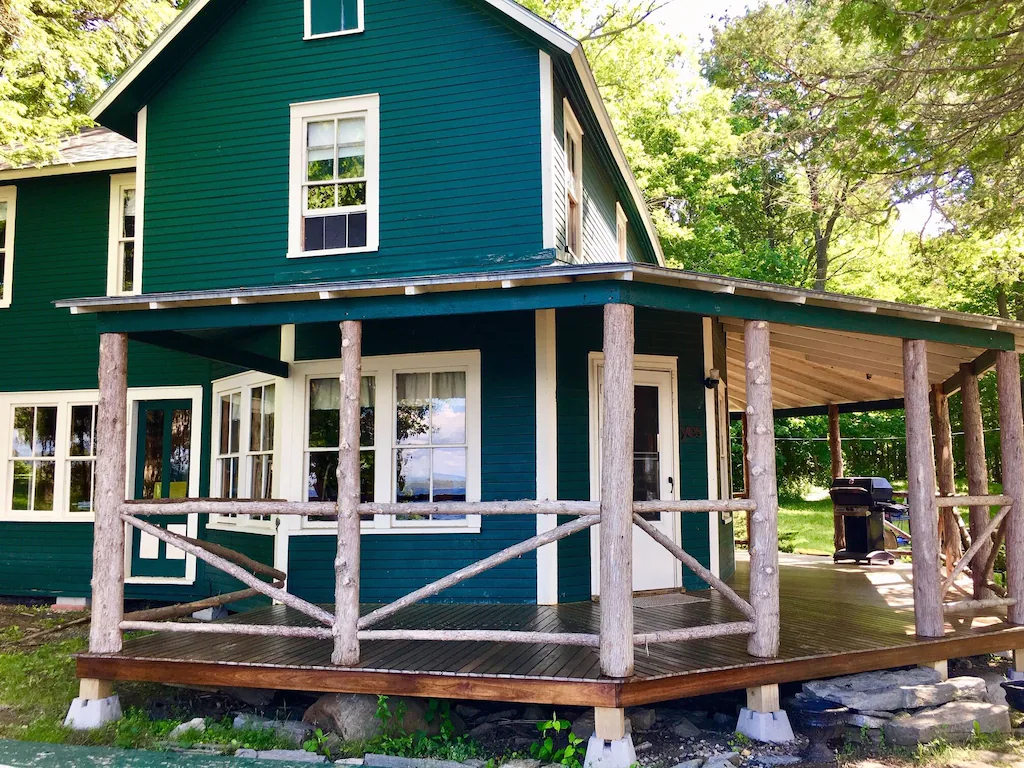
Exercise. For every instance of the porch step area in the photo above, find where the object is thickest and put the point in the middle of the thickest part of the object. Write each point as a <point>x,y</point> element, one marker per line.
<point>835,620</point>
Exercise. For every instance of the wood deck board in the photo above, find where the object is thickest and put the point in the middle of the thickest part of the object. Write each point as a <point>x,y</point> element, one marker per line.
<point>835,620</point>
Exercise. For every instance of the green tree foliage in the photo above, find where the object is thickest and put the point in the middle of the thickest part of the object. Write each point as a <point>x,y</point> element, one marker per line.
<point>57,56</point>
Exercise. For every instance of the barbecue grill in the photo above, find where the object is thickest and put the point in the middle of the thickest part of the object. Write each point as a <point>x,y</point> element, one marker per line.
<point>865,503</point>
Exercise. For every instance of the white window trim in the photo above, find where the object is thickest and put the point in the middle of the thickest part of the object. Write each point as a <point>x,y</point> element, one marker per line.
<point>244,383</point>
<point>573,187</point>
<point>621,233</point>
<point>119,182</point>
<point>367,106</point>
<point>307,33</point>
<point>385,368</point>
<point>9,195</point>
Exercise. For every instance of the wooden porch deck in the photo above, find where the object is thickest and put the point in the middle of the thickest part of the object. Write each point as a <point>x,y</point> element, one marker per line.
<point>836,619</point>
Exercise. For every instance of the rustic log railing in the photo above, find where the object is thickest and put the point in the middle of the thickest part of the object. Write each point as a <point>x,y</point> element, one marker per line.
<point>990,535</point>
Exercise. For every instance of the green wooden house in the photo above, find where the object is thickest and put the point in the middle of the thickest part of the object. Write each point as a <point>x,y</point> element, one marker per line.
<point>440,183</point>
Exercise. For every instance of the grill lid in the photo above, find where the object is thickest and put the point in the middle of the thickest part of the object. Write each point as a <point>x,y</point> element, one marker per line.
<point>860,491</point>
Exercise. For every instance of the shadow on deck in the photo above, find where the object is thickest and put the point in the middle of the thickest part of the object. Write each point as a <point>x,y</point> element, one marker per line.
<point>836,619</point>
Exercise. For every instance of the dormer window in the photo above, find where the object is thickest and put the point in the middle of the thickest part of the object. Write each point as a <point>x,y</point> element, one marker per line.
<point>573,147</point>
<point>334,177</point>
<point>325,18</point>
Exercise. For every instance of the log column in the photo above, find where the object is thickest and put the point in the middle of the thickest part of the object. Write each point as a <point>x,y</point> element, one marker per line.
<point>835,449</point>
<point>977,474</point>
<point>924,515</point>
<point>617,493</point>
<point>763,490</point>
<point>346,566</point>
<point>108,530</point>
<point>943,436</point>
<point>1011,433</point>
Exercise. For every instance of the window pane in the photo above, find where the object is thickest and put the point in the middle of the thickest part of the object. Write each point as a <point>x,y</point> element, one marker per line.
<point>261,429</point>
<point>230,422</point>
<point>448,417</point>
<point>320,134</point>
<point>181,450</point>
<point>324,402</point>
<point>449,473</point>
<point>320,197</point>
<point>81,486</point>
<point>335,231</point>
<point>127,266</point>
<point>228,478</point>
<point>367,408</point>
<point>21,444</point>
<point>367,460</point>
<point>353,193</point>
<point>22,485</point>
<point>313,234</point>
<point>3,223</point>
<point>81,430</point>
<point>128,214</point>
<point>412,474</point>
<point>44,442</point>
<point>153,466</point>
<point>349,14</point>
<point>413,419</point>
<point>351,132</point>
<point>262,476</point>
<point>43,491</point>
<point>356,230</point>
<point>323,477</point>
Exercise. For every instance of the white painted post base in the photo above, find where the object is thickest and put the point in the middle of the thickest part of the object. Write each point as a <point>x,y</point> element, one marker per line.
<point>766,727</point>
<point>942,667</point>
<point>70,604</point>
<point>610,754</point>
<point>86,714</point>
<point>1013,674</point>
<point>211,614</point>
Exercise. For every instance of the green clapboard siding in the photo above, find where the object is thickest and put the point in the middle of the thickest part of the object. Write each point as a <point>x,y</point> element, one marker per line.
<point>60,251</point>
<point>579,332</point>
<point>254,545</point>
<point>393,565</point>
<point>460,144</point>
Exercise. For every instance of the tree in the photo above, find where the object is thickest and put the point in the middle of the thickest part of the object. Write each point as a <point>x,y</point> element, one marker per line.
<point>56,57</point>
<point>780,63</point>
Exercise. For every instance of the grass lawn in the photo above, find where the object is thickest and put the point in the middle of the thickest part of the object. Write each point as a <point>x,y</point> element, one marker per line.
<point>805,526</point>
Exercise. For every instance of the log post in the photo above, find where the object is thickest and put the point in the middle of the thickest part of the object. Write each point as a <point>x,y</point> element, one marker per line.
<point>977,474</point>
<point>346,567</point>
<point>835,449</point>
<point>924,516</point>
<point>1011,439</point>
<point>943,436</point>
<point>763,490</point>
<point>108,529</point>
<point>617,493</point>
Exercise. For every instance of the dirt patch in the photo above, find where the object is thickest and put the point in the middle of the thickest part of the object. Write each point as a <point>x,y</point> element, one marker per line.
<point>24,627</point>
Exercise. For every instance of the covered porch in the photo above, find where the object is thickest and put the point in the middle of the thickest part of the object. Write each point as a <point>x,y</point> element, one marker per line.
<point>760,630</point>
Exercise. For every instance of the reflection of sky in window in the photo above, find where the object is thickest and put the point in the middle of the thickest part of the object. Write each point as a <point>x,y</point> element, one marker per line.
<point>449,421</point>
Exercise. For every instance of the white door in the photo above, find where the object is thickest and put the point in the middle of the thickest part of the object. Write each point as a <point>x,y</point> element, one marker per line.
<point>655,437</point>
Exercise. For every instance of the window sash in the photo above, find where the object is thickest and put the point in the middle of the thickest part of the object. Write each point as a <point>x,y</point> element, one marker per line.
<point>8,197</point>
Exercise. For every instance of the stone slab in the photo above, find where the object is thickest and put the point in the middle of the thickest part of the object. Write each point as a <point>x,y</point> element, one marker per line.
<point>390,761</point>
<point>954,722</point>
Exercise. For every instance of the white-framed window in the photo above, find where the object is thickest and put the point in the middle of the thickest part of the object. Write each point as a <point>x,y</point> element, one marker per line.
<point>573,147</point>
<point>49,466</point>
<point>419,437</point>
<point>621,225</point>
<point>8,200</point>
<point>245,441</point>
<point>334,177</point>
<point>124,252</point>
<point>330,18</point>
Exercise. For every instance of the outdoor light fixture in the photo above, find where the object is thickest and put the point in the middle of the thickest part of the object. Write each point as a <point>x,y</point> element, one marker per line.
<point>711,382</point>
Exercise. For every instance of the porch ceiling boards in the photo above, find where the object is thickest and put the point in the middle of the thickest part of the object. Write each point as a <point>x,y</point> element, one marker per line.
<point>835,620</point>
<point>815,366</point>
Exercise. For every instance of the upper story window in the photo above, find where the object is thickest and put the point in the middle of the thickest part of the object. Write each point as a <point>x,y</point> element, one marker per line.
<point>334,176</point>
<point>8,196</point>
<point>325,18</point>
<point>124,262</point>
<point>621,222</point>
<point>573,183</point>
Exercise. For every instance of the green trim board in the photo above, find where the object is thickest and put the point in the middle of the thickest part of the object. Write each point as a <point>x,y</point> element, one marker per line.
<point>220,352</point>
<point>584,293</point>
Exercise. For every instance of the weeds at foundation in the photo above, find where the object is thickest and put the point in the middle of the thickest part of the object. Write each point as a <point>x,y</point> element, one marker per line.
<point>394,740</point>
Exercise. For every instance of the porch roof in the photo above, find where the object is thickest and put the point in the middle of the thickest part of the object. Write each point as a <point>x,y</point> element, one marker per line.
<point>827,347</point>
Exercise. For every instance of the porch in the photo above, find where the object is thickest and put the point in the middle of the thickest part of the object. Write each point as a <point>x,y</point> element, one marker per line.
<point>835,620</point>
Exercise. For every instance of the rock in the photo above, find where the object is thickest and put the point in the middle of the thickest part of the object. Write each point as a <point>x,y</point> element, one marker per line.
<point>533,712</point>
<point>294,730</point>
<point>353,716</point>
<point>350,761</point>
<point>504,714</point>
<point>953,722</point>
<point>994,692</point>
<point>251,753</point>
<point>291,755</point>
<point>954,689</point>
<point>696,762</point>
<point>644,746</point>
<point>254,697</point>
<point>727,760</point>
<point>474,762</point>
<point>643,719</point>
<point>684,729</point>
<point>775,760</point>
<point>196,725</point>
<point>887,691</point>
<point>521,763</point>
<point>467,712</point>
<point>482,730</point>
<point>864,721</point>
<point>877,713</point>
<point>389,761</point>
<point>720,718</point>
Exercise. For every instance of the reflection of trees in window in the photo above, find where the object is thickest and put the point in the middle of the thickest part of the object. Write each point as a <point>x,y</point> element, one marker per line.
<point>324,427</point>
<point>33,452</point>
